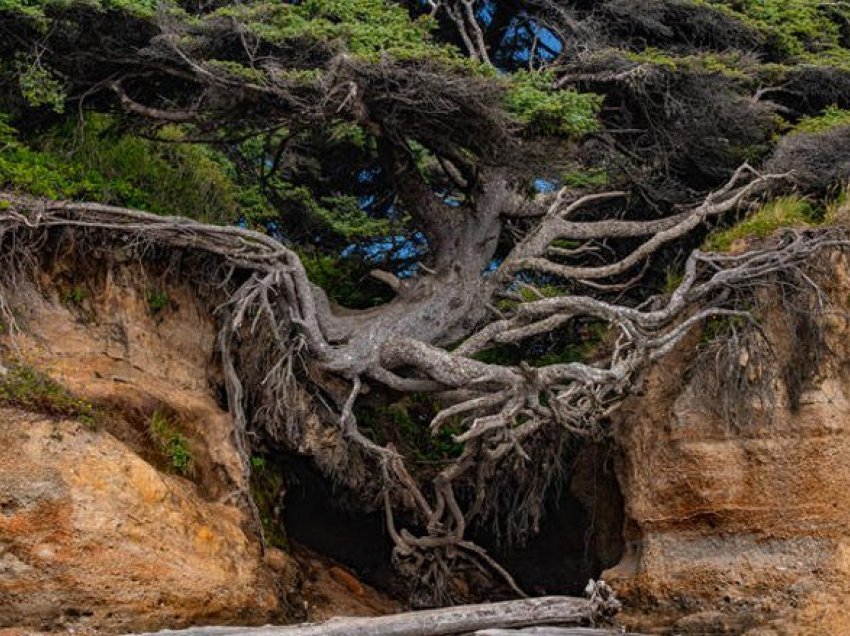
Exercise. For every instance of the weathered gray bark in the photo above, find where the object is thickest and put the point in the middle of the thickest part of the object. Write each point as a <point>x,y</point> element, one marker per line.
<point>463,619</point>
<point>554,631</point>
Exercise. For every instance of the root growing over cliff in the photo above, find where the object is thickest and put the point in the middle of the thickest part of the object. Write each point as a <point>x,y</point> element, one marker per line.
<point>289,358</point>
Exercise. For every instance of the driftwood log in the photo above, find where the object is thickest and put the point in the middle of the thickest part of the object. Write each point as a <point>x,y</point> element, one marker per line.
<point>464,619</point>
<point>554,631</point>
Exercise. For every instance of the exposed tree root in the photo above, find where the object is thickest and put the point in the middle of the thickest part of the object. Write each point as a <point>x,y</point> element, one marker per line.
<point>284,350</point>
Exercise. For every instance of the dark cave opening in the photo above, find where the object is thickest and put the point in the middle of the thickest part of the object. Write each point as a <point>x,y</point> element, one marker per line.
<point>314,517</point>
<point>580,536</point>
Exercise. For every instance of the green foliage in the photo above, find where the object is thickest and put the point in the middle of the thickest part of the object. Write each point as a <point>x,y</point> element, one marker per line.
<point>30,389</point>
<point>719,327</point>
<point>336,213</point>
<point>790,27</point>
<point>593,178</point>
<point>832,117</point>
<point>576,350</point>
<point>673,277</point>
<point>406,424</point>
<point>38,9</point>
<point>728,64</point>
<point>267,484</point>
<point>74,296</point>
<point>158,300</point>
<point>170,443</point>
<point>562,346</point>
<point>835,57</point>
<point>340,214</point>
<point>838,210</point>
<point>365,28</point>
<point>96,163</point>
<point>654,57</point>
<point>39,87</point>
<point>345,280</point>
<point>545,110</point>
<point>790,211</point>
<point>38,173</point>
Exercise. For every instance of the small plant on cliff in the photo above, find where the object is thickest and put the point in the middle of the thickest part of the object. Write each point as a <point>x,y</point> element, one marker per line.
<point>171,443</point>
<point>74,296</point>
<point>28,388</point>
<point>157,301</point>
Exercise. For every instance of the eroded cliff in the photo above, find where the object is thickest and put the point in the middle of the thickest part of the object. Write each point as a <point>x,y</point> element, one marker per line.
<point>732,524</point>
<point>130,514</point>
<point>742,524</point>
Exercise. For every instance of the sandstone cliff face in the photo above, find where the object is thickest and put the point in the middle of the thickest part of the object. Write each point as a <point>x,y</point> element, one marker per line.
<point>95,532</point>
<point>740,528</point>
<point>93,536</point>
<point>98,533</point>
<point>730,528</point>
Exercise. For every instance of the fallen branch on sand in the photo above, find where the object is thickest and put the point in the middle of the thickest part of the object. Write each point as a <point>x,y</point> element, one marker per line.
<point>463,619</point>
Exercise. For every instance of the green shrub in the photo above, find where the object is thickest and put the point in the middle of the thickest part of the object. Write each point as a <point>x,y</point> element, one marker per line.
<point>365,28</point>
<point>267,486</point>
<point>38,9</point>
<point>406,423</point>
<point>544,110</point>
<point>157,301</point>
<point>588,178</point>
<point>832,117</point>
<point>39,87</point>
<point>345,280</point>
<point>74,296</point>
<point>170,443</point>
<point>838,210</point>
<point>95,162</point>
<point>790,27</point>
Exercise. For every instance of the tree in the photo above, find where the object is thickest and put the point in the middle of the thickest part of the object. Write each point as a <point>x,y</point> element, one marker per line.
<point>459,151</point>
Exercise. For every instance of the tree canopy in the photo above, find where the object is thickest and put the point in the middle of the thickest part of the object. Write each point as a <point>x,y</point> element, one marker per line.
<point>494,205</point>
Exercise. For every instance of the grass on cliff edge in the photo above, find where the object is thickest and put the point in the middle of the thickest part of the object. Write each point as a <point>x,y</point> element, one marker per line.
<point>790,211</point>
<point>30,389</point>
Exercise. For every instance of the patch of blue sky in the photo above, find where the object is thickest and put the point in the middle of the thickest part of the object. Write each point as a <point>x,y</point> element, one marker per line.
<point>366,201</point>
<point>549,46</point>
<point>402,248</point>
<point>486,12</point>
<point>545,186</point>
<point>368,175</point>
<point>492,266</point>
